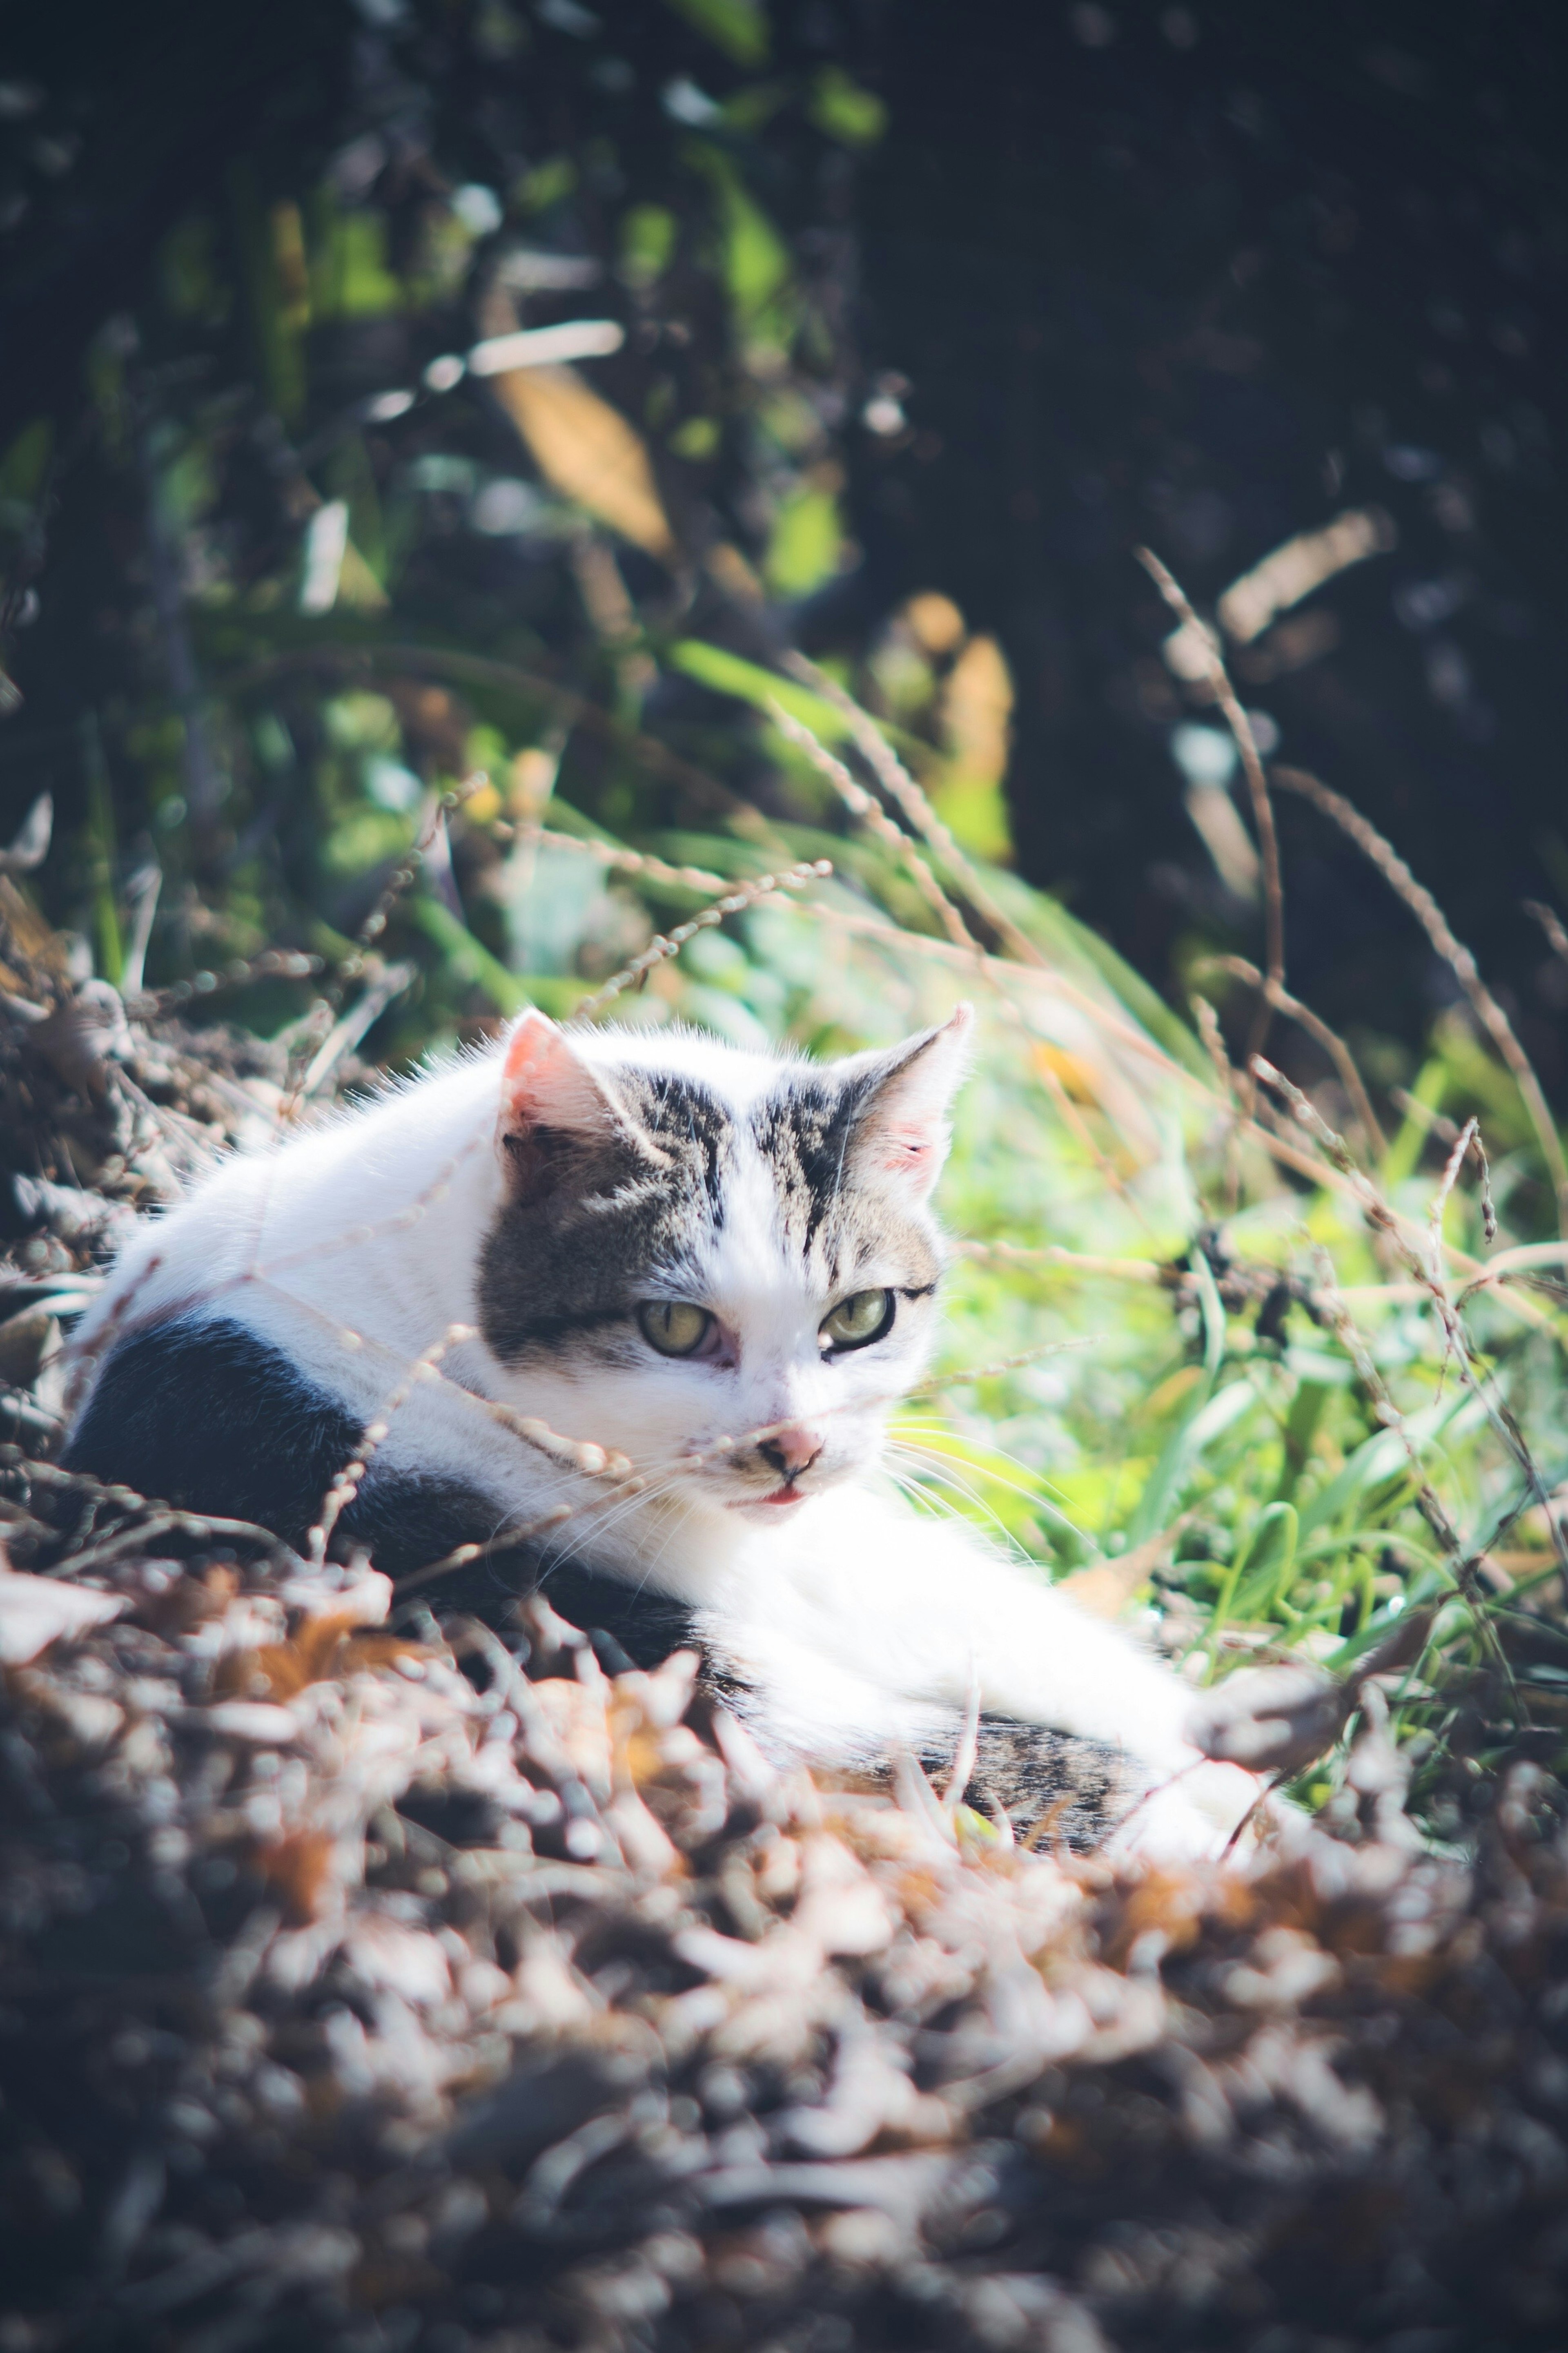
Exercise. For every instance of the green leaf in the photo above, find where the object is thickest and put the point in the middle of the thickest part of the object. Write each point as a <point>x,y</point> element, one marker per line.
<point>803,548</point>
<point>739,27</point>
<point>648,244</point>
<point>1266,1561</point>
<point>757,262</point>
<point>22,467</point>
<point>844,110</point>
<point>729,673</point>
<point>1381,1459</point>
<point>468,958</point>
<point>1405,1152</point>
<point>1204,1419</point>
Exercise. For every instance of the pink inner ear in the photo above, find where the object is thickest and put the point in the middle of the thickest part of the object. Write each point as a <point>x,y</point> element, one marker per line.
<point>905,1148</point>
<point>543,1082</point>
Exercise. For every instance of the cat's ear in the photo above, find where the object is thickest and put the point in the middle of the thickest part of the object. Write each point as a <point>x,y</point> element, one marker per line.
<point>899,1099</point>
<point>548,1088</point>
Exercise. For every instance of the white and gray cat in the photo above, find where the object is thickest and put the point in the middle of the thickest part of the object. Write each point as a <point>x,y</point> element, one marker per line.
<point>722,1266</point>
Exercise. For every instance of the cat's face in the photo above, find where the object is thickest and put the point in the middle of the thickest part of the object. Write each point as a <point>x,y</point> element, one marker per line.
<point>697,1246</point>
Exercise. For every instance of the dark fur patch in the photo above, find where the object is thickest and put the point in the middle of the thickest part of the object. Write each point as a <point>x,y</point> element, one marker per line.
<point>1080,1789</point>
<point>805,1132</point>
<point>643,1626</point>
<point>211,1419</point>
<point>588,1223</point>
<point>207,1416</point>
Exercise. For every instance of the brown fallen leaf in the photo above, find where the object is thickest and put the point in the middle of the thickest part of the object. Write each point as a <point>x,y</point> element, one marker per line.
<point>1106,1587</point>
<point>587,449</point>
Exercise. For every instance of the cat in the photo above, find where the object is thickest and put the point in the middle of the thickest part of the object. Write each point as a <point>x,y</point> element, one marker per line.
<point>639,1302</point>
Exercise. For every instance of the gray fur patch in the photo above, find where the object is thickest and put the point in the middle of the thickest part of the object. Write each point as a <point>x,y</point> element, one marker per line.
<point>586,1222</point>
<point>1079,1789</point>
<point>805,1132</point>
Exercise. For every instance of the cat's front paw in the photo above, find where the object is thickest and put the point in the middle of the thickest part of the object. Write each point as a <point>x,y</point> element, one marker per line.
<point>1194,1817</point>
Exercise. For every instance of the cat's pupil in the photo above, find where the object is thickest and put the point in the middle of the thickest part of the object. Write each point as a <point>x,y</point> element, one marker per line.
<point>675,1327</point>
<point>864,1316</point>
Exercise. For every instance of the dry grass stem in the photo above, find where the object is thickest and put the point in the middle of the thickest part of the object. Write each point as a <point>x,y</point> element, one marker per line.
<point>1460,962</point>
<point>1224,695</point>
<point>1379,1214</point>
<point>874,817</point>
<point>660,950</point>
<point>1550,923</point>
<point>639,862</point>
<point>1334,1045</point>
<point>1004,1253</point>
<point>901,788</point>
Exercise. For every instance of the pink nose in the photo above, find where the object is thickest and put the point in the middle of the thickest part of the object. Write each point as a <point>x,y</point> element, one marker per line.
<point>792,1451</point>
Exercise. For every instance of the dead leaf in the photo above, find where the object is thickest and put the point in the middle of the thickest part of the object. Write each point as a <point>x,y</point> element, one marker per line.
<point>1106,1587</point>
<point>589,451</point>
<point>336,1643</point>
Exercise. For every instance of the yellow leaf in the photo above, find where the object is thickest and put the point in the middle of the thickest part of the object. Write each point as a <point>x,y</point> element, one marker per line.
<point>357,583</point>
<point>587,449</point>
<point>977,711</point>
<point>977,718</point>
<point>1078,1079</point>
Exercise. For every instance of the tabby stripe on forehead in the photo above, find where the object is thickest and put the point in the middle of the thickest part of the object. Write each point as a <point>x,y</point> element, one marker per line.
<point>677,1110</point>
<point>805,1132</point>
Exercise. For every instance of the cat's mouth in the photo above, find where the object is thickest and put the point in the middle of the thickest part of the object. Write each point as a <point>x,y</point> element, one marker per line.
<point>780,1498</point>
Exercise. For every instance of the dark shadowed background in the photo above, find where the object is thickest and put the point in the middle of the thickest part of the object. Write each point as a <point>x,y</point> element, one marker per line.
<point>952,303</point>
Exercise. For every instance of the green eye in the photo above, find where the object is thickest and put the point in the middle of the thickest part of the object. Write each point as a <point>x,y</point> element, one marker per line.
<point>855,1322</point>
<point>674,1326</point>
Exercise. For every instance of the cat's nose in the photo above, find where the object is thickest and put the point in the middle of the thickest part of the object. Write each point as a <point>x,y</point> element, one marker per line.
<point>792,1451</point>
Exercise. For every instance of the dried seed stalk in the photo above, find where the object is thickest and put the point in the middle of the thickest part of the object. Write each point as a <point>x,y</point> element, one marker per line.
<point>1455,954</point>
<point>660,950</point>
<point>1240,726</point>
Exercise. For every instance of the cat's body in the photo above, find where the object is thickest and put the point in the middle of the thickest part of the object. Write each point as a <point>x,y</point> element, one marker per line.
<point>493,1281</point>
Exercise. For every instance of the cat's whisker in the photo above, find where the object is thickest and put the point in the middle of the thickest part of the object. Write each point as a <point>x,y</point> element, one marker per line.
<point>911,1432</point>
<point>960,1487</point>
<point>1036,1492</point>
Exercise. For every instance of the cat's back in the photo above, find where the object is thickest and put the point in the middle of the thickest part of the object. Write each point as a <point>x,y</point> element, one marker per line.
<point>356,1180</point>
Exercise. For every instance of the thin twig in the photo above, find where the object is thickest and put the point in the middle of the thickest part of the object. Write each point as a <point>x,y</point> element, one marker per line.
<point>1460,962</point>
<point>961,1771</point>
<point>351,1478</point>
<point>874,817</point>
<point>347,1033</point>
<point>1470,1134</point>
<point>465,1555</point>
<point>1333,1044</point>
<point>901,786</point>
<point>660,949</point>
<point>1229,702</point>
<point>1120,1269</point>
<point>635,862</point>
<point>1550,923</point>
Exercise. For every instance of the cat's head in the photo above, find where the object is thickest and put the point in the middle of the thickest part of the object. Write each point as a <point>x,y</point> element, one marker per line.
<point>698,1245</point>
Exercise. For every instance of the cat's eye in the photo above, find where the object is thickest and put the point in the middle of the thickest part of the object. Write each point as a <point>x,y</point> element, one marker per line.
<point>859,1320</point>
<point>674,1326</point>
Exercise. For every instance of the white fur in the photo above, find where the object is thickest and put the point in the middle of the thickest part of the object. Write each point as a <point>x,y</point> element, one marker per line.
<point>353,1247</point>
